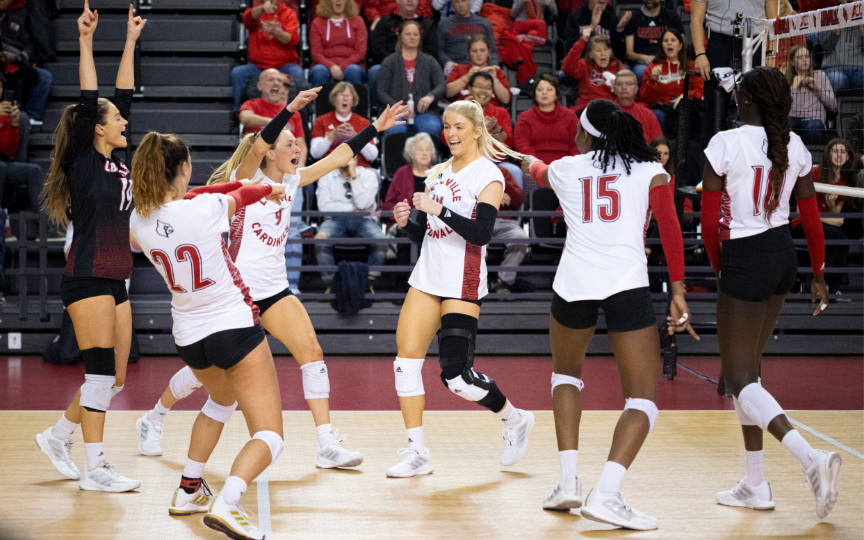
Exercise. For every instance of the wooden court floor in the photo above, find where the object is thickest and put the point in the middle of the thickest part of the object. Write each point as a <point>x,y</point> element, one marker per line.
<point>687,458</point>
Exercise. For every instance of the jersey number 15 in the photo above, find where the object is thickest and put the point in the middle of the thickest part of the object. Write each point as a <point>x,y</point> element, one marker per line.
<point>186,252</point>
<point>609,210</point>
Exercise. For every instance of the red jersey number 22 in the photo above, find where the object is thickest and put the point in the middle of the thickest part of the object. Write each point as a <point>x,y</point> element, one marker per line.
<point>186,252</point>
<point>609,207</point>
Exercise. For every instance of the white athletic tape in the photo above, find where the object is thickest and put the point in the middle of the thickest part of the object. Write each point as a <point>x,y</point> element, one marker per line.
<point>559,379</point>
<point>409,376</point>
<point>96,391</point>
<point>273,440</point>
<point>839,190</point>
<point>646,406</point>
<point>316,382</point>
<point>183,383</point>
<point>743,419</point>
<point>220,413</point>
<point>759,405</point>
<point>471,392</point>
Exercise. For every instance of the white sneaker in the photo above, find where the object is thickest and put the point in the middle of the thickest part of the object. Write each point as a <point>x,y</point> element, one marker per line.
<point>332,456</point>
<point>105,478</point>
<point>184,504</point>
<point>747,496</point>
<point>615,511</point>
<point>516,439</point>
<point>232,521</point>
<point>822,478</point>
<point>566,495</point>
<point>59,452</point>
<point>149,435</point>
<point>412,464</point>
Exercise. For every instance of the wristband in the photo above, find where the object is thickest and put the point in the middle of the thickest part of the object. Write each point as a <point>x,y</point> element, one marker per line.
<point>359,141</point>
<point>698,55</point>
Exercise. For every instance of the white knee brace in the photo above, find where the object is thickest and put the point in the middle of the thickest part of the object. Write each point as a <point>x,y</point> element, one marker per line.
<point>646,406</point>
<point>96,392</point>
<point>409,376</point>
<point>183,383</point>
<point>742,416</point>
<point>471,392</point>
<point>220,413</point>
<point>316,382</point>
<point>273,440</point>
<point>116,390</point>
<point>759,405</point>
<point>558,379</point>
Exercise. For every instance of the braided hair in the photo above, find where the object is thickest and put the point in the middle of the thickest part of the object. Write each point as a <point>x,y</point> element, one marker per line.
<point>623,136</point>
<point>770,92</point>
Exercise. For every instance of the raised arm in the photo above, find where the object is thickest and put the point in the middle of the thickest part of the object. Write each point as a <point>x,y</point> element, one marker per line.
<point>126,71</point>
<point>86,67</point>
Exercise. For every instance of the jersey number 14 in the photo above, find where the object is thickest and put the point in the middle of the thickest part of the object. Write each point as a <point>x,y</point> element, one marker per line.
<point>186,252</point>
<point>608,210</point>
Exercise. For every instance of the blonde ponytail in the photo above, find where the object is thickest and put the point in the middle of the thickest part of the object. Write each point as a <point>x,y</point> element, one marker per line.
<point>222,174</point>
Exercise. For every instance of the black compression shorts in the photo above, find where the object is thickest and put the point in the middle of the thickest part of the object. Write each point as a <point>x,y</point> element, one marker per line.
<point>625,311</point>
<point>757,267</point>
<point>223,349</point>
<point>73,289</point>
<point>267,303</point>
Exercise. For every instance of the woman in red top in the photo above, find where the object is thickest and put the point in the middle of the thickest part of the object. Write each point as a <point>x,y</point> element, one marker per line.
<point>837,168</point>
<point>460,76</point>
<point>665,83</point>
<point>547,130</point>
<point>595,73</point>
<point>341,123</point>
<point>337,39</point>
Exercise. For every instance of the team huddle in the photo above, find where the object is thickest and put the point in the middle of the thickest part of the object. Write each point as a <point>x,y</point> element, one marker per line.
<point>225,296</point>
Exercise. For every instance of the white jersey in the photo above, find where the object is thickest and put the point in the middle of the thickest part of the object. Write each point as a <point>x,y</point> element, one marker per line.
<point>450,267</point>
<point>606,214</point>
<point>741,156</point>
<point>183,240</point>
<point>257,239</point>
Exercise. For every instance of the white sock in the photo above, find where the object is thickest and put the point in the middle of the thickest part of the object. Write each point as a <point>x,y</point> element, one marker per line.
<point>234,488</point>
<point>510,415</point>
<point>755,468</point>
<point>325,435</point>
<point>95,456</point>
<point>64,429</point>
<point>568,463</point>
<point>610,478</point>
<point>193,469</point>
<point>799,447</point>
<point>415,439</point>
<point>158,413</point>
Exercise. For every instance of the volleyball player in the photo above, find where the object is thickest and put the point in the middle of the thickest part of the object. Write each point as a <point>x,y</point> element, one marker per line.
<point>87,178</point>
<point>454,223</point>
<point>750,174</point>
<point>216,325</point>
<point>606,193</point>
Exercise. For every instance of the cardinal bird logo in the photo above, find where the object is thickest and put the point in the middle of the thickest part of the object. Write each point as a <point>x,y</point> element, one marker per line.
<point>163,229</point>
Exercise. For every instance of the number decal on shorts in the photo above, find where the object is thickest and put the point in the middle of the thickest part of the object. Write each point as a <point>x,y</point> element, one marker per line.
<point>186,252</point>
<point>609,210</point>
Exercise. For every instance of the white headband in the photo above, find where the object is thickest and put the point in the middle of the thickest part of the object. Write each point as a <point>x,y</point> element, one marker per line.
<point>587,126</point>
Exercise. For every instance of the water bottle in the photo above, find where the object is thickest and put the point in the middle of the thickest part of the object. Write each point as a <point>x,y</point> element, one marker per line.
<point>410,105</point>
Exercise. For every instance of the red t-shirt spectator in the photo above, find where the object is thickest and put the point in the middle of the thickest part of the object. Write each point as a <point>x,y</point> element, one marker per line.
<point>8,137</point>
<point>548,136</point>
<point>820,197</point>
<point>669,84</point>
<point>270,110</point>
<point>650,126</point>
<point>592,83</point>
<point>512,189</point>
<point>501,115</point>
<point>265,51</point>
<point>375,9</point>
<point>326,123</point>
<point>340,42</point>
<point>460,70</point>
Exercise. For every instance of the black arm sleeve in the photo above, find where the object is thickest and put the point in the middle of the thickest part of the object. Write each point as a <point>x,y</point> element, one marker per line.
<point>274,127</point>
<point>359,141</point>
<point>123,101</point>
<point>416,230</point>
<point>86,118</point>
<point>474,231</point>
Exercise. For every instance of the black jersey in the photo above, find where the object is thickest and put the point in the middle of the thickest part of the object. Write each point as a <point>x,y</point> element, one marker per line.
<point>101,194</point>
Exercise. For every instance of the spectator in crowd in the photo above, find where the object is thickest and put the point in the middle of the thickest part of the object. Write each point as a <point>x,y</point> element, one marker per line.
<point>37,17</point>
<point>843,61</point>
<point>813,5</point>
<point>812,94</point>
<point>625,90</point>
<point>447,8</point>
<point>337,39</point>
<point>505,229</point>
<point>409,179</point>
<point>256,113</point>
<point>785,44</point>
<point>524,10</point>
<point>17,172</point>
<point>454,31</point>
<point>837,168</point>
<point>594,74</point>
<point>273,37</point>
<point>644,33</point>
<point>547,130</point>
<point>376,10</point>
<point>349,189</point>
<point>409,72</point>
<point>341,123</point>
<point>663,88</point>
<point>383,41</point>
<point>478,52</point>
<point>33,85</point>
<point>599,16</point>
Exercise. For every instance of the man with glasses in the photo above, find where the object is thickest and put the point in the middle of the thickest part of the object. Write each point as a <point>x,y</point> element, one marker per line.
<point>255,113</point>
<point>625,88</point>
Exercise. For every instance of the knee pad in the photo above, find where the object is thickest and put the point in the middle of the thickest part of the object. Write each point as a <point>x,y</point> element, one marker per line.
<point>273,440</point>
<point>316,382</point>
<point>409,377</point>
<point>456,340</point>
<point>759,405</point>
<point>96,392</point>
<point>743,419</point>
<point>116,390</point>
<point>559,379</point>
<point>183,383</point>
<point>220,413</point>
<point>646,406</point>
<point>99,361</point>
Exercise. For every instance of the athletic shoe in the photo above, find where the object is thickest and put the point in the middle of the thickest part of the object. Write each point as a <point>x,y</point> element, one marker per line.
<point>332,456</point>
<point>412,464</point>
<point>184,504</point>
<point>149,435</point>
<point>746,496</point>
<point>105,478</point>
<point>615,511</point>
<point>822,479</point>
<point>566,495</point>
<point>516,439</point>
<point>232,521</point>
<point>59,452</point>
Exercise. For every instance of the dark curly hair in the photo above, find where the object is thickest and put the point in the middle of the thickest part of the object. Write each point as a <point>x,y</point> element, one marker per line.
<point>623,136</point>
